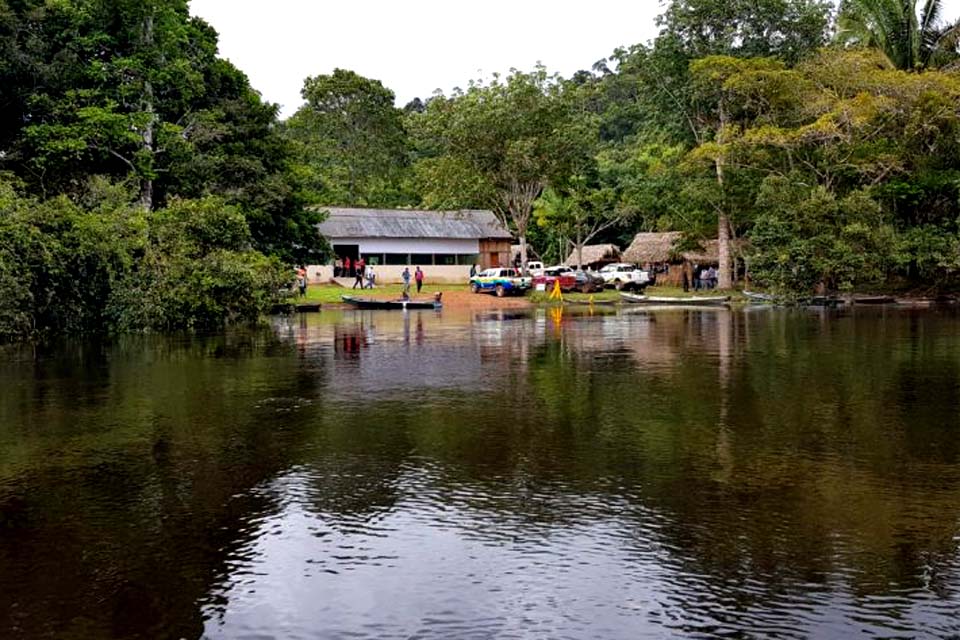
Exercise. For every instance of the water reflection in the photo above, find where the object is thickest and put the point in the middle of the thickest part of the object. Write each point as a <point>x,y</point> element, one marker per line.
<point>591,474</point>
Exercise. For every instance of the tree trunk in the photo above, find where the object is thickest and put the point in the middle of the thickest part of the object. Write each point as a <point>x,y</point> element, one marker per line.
<point>579,250</point>
<point>148,137</point>
<point>523,252</point>
<point>725,277</point>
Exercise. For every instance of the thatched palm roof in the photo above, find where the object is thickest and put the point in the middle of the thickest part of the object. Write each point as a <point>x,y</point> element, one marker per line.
<point>594,253</point>
<point>661,247</point>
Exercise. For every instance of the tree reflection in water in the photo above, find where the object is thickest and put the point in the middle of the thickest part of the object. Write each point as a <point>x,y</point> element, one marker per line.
<point>662,472</point>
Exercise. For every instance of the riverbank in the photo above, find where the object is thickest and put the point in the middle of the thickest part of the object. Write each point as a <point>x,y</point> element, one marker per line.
<point>459,296</point>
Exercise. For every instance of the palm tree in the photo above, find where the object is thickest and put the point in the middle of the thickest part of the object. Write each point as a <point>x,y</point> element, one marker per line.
<point>911,39</point>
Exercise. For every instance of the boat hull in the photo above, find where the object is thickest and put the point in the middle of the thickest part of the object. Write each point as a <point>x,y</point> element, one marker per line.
<point>402,305</point>
<point>712,301</point>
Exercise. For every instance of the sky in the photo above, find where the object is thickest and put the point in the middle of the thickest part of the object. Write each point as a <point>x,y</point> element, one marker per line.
<point>418,46</point>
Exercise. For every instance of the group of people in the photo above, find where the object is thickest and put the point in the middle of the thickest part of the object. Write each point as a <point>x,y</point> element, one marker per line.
<point>365,278</point>
<point>417,276</point>
<point>703,278</point>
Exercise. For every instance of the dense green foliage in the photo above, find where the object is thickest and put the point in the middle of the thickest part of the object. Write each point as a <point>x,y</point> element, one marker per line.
<point>101,262</point>
<point>133,93</point>
<point>350,141</point>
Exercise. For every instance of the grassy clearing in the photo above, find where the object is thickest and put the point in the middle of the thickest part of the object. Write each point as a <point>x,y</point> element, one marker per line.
<point>330,294</point>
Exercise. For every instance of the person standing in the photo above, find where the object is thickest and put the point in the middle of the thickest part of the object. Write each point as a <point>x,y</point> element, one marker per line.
<point>302,281</point>
<point>371,277</point>
<point>406,282</point>
<point>473,270</point>
<point>418,276</point>
<point>361,266</point>
<point>337,267</point>
<point>357,277</point>
<point>346,268</point>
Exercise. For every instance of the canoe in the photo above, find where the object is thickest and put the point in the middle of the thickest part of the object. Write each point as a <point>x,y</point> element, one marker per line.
<point>371,303</point>
<point>691,301</point>
<point>874,300</point>
<point>759,297</point>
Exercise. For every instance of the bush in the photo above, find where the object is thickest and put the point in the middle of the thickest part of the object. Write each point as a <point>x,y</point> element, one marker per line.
<point>102,264</point>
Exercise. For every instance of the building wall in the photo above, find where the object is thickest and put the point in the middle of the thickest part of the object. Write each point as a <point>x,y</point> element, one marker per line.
<point>494,253</point>
<point>391,274</point>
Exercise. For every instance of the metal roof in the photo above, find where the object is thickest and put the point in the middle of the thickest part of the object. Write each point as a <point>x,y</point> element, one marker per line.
<point>410,223</point>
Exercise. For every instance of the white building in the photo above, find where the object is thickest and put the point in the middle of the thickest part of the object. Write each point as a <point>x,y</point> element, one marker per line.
<point>444,244</point>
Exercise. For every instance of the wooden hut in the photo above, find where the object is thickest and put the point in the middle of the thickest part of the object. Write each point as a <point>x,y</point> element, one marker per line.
<point>595,256</point>
<point>658,252</point>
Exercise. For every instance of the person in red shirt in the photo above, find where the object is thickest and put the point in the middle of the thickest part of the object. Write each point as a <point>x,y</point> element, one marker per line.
<point>346,267</point>
<point>418,276</point>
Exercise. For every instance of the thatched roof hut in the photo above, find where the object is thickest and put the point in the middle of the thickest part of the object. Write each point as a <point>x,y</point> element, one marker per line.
<point>596,254</point>
<point>648,248</point>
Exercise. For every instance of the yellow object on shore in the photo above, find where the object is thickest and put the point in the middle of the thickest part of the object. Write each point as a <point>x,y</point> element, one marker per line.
<point>556,294</point>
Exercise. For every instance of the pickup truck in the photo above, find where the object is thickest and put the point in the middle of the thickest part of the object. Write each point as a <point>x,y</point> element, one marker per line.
<point>550,275</point>
<point>624,276</point>
<point>501,281</point>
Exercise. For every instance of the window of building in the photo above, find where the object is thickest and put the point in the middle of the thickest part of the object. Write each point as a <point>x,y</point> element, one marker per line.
<point>373,259</point>
<point>421,259</point>
<point>468,259</point>
<point>397,258</point>
<point>445,259</point>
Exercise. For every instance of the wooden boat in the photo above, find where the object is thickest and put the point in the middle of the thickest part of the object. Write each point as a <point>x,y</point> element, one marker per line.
<point>753,296</point>
<point>690,301</point>
<point>874,300</point>
<point>372,303</point>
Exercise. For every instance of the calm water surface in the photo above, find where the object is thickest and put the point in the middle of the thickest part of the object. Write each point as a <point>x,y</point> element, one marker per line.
<point>675,473</point>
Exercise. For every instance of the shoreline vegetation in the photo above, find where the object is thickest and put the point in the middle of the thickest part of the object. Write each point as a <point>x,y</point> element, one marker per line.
<point>146,186</point>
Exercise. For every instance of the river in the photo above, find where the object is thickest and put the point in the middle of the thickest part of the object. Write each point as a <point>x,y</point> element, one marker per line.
<point>618,475</point>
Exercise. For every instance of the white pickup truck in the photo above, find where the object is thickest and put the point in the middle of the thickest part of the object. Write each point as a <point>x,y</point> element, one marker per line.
<point>624,276</point>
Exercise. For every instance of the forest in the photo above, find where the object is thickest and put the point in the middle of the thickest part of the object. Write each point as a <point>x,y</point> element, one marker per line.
<point>146,186</point>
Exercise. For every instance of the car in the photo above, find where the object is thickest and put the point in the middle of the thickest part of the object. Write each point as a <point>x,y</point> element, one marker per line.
<point>563,275</point>
<point>624,276</point>
<point>589,281</point>
<point>500,280</point>
<point>534,268</point>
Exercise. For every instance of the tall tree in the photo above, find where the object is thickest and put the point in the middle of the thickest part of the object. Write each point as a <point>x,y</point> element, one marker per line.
<point>510,139</point>
<point>582,214</point>
<point>351,141</point>
<point>134,91</point>
<point>911,33</point>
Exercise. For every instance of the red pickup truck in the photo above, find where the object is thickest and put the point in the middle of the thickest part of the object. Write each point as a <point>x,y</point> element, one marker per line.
<point>566,276</point>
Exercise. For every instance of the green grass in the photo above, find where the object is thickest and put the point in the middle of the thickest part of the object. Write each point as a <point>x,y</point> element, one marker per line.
<point>330,294</point>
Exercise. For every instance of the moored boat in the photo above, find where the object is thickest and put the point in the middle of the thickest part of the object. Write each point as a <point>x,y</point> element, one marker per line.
<point>690,301</point>
<point>373,303</point>
<point>753,296</point>
<point>874,300</point>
